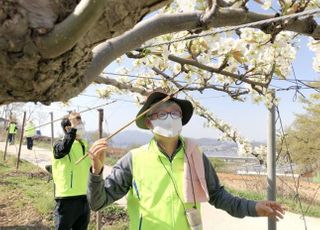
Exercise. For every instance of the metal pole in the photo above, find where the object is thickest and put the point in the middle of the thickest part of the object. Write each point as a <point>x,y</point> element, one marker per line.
<point>99,216</point>
<point>52,130</point>
<point>21,139</point>
<point>271,161</point>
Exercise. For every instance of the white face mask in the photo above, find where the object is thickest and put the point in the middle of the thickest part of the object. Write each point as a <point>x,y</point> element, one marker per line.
<point>168,128</point>
<point>80,130</point>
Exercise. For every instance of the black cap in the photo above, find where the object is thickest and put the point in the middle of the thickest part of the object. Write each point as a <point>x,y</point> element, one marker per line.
<point>65,122</point>
<point>185,105</point>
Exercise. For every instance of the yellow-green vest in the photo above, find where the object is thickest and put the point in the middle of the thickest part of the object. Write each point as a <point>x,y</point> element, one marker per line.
<point>153,203</point>
<point>29,130</point>
<point>71,179</point>
<point>12,128</point>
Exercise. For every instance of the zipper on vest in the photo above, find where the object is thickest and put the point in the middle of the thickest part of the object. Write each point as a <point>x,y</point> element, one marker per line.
<point>172,196</point>
<point>140,222</point>
<point>71,181</point>
<point>136,189</point>
<point>173,190</point>
<point>83,147</point>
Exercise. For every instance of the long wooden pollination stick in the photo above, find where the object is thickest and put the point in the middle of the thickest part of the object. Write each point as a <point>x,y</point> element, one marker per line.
<point>129,123</point>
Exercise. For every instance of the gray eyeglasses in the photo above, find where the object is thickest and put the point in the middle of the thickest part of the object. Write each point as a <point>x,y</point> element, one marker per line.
<point>162,115</point>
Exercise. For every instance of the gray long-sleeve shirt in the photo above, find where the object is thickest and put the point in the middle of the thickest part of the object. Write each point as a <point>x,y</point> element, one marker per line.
<point>118,183</point>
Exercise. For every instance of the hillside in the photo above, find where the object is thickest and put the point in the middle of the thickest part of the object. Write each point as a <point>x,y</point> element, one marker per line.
<point>210,146</point>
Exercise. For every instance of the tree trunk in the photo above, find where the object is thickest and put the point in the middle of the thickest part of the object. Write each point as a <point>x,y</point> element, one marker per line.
<point>26,75</point>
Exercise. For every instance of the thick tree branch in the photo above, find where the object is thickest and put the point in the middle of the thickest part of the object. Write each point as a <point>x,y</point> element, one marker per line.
<point>212,7</point>
<point>232,17</point>
<point>66,34</point>
<point>223,3</point>
<point>119,85</point>
<point>106,52</point>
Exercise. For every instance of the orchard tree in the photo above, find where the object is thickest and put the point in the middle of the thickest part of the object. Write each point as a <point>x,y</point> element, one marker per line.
<point>52,50</point>
<point>302,138</point>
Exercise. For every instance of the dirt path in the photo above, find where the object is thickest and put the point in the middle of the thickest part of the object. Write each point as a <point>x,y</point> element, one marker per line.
<point>37,156</point>
<point>212,217</point>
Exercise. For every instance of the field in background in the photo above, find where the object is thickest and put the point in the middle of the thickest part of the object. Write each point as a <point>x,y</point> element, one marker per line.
<point>289,189</point>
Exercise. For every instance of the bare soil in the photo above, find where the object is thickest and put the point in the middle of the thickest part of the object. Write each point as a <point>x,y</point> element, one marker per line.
<point>22,216</point>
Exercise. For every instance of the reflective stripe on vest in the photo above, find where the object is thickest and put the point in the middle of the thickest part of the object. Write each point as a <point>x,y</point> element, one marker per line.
<point>153,202</point>
<point>71,179</point>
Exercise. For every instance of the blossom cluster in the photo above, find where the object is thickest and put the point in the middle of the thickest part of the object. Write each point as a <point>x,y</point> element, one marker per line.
<point>315,47</point>
<point>251,53</point>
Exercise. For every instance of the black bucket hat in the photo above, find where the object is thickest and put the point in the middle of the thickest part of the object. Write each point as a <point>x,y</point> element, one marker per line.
<point>185,105</point>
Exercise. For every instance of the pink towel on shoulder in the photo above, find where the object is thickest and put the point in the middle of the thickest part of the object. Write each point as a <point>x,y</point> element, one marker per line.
<point>197,174</point>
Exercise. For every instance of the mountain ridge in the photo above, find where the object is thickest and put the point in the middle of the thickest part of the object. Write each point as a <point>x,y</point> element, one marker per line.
<point>132,138</point>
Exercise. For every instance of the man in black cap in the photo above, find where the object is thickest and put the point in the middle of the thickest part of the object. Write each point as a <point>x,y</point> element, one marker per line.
<point>168,178</point>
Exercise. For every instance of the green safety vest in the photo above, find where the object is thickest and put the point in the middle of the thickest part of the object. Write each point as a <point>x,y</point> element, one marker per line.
<point>12,128</point>
<point>29,130</point>
<point>153,202</point>
<point>71,179</point>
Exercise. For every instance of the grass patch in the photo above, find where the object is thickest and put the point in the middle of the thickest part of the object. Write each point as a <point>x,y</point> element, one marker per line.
<point>291,203</point>
<point>28,199</point>
<point>30,181</point>
<point>114,217</point>
<point>246,194</point>
<point>221,165</point>
<point>309,208</point>
<point>26,190</point>
<point>218,164</point>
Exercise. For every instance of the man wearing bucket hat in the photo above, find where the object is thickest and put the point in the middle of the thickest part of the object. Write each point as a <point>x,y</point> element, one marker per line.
<point>168,178</point>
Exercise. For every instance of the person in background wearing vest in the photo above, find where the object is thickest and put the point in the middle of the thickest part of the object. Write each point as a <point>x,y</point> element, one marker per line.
<point>29,132</point>
<point>70,180</point>
<point>12,131</point>
<point>168,178</point>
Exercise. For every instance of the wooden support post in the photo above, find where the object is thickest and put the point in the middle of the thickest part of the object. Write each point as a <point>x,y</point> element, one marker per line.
<point>21,139</point>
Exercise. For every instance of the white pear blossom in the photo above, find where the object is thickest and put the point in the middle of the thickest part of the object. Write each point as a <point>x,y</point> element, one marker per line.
<point>314,4</point>
<point>315,47</point>
<point>122,70</point>
<point>261,150</point>
<point>267,4</point>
